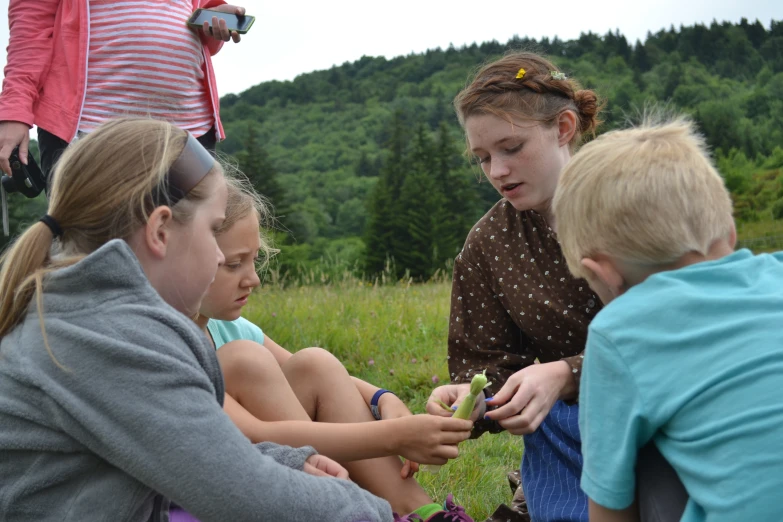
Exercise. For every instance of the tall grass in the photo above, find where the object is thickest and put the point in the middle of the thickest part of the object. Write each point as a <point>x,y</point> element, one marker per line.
<point>761,236</point>
<point>394,336</point>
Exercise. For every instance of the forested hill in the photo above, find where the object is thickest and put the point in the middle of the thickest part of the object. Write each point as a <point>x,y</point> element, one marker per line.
<point>364,161</point>
<point>331,135</point>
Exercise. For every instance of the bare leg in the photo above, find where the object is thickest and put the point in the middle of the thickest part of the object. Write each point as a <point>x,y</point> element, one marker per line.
<point>254,379</point>
<point>328,394</point>
<point>313,384</point>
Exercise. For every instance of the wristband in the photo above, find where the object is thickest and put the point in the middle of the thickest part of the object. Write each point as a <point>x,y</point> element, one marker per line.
<point>374,403</point>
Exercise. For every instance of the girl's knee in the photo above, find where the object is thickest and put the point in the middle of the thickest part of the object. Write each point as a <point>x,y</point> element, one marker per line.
<point>246,358</point>
<point>312,361</point>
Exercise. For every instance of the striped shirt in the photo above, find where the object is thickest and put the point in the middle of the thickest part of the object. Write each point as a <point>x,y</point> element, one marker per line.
<point>145,61</point>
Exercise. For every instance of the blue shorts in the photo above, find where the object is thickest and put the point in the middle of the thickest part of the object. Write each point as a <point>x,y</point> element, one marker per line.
<point>552,468</point>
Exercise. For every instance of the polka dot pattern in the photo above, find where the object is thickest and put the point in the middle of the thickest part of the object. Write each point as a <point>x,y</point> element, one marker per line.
<point>513,300</point>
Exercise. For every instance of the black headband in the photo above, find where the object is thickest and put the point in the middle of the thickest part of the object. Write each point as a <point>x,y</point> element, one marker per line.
<point>186,172</point>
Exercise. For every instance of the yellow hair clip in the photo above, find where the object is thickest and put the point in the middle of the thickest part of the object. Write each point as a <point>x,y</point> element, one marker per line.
<point>521,74</point>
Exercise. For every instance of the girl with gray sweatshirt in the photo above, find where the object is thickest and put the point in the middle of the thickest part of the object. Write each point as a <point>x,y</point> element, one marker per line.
<point>110,395</point>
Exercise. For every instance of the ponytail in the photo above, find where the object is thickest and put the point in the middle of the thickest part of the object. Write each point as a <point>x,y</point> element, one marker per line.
<point>22,273</point>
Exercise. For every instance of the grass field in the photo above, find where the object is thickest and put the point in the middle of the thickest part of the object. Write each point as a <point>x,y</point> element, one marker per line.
<point>393,336</point>
<point>761,236</point>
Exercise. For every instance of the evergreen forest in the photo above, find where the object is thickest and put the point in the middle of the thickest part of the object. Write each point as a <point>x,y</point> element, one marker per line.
<point>365,166</point>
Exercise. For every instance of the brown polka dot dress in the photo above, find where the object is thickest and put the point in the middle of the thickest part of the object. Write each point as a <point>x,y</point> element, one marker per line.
<point>513,301</point>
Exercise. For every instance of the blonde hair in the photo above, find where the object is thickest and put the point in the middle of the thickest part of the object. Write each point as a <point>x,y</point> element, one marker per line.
<point>104,188</point>
<point>539,95</point>
<point>241,202</point>
<point>645,196</point>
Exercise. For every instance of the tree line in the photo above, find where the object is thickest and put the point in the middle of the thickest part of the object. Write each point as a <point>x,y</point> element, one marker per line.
<point>348,143</point>
<point>364,161</point>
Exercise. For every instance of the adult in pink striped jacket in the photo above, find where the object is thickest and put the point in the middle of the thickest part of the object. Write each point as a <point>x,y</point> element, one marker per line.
<point>73,64</point>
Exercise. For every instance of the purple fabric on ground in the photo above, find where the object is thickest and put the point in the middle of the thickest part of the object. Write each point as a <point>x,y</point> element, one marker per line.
<point>177,514</point>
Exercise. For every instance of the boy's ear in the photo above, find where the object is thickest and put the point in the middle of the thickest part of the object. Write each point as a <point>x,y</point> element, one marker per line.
<point>566,127</point>
<point>156,232</point>
<point>605,271</point>
<point>733,236</point>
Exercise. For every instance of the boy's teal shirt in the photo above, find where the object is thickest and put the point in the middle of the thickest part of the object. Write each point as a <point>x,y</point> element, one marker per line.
<point>693,360</point>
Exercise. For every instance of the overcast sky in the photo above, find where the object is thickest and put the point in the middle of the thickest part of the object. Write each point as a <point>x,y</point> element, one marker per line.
<point>294,37</point>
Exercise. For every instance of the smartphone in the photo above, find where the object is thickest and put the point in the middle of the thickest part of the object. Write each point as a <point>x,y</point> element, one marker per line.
<point>240,24</point>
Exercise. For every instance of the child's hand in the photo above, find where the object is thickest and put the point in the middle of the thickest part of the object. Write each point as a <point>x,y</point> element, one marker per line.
<point>444,399</point>
<point>409,468</point>
<point>218,29</point>
<point>428,439</point>
<point>321,466</point>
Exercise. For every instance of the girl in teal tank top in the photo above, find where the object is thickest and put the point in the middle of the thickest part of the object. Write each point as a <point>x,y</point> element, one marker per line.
<point>275,395</point>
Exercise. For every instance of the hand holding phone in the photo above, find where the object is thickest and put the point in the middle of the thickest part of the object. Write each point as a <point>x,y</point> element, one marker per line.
<point>224,22</point>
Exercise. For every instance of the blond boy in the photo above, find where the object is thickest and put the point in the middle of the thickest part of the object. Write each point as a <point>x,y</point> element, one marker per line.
<point>688,351</point>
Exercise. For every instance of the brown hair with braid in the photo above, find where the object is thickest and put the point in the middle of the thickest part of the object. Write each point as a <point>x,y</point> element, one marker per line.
<point>538,95</point>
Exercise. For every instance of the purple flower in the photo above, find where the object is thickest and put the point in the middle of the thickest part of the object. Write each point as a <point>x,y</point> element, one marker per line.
<point>274,314</point>
<point>371,362</point>
<point>413,361</point>
<point>435,379</point>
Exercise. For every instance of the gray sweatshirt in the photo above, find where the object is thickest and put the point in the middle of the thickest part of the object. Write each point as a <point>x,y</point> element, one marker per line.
<point>133,421</point>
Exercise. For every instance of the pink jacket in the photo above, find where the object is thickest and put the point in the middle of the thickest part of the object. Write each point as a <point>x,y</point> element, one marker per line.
<point>46,72</point>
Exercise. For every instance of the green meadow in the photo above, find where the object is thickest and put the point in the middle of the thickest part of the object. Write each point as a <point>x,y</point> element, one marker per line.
<point>394,336</point>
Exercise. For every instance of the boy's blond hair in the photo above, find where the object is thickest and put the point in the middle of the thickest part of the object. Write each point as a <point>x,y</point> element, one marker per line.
<point>644,196</point>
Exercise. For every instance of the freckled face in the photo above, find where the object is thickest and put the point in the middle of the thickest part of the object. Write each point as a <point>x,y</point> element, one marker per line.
<point>522,159</point>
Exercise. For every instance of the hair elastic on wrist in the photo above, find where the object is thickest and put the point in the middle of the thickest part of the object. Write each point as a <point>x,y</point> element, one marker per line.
<point>374,403</point>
